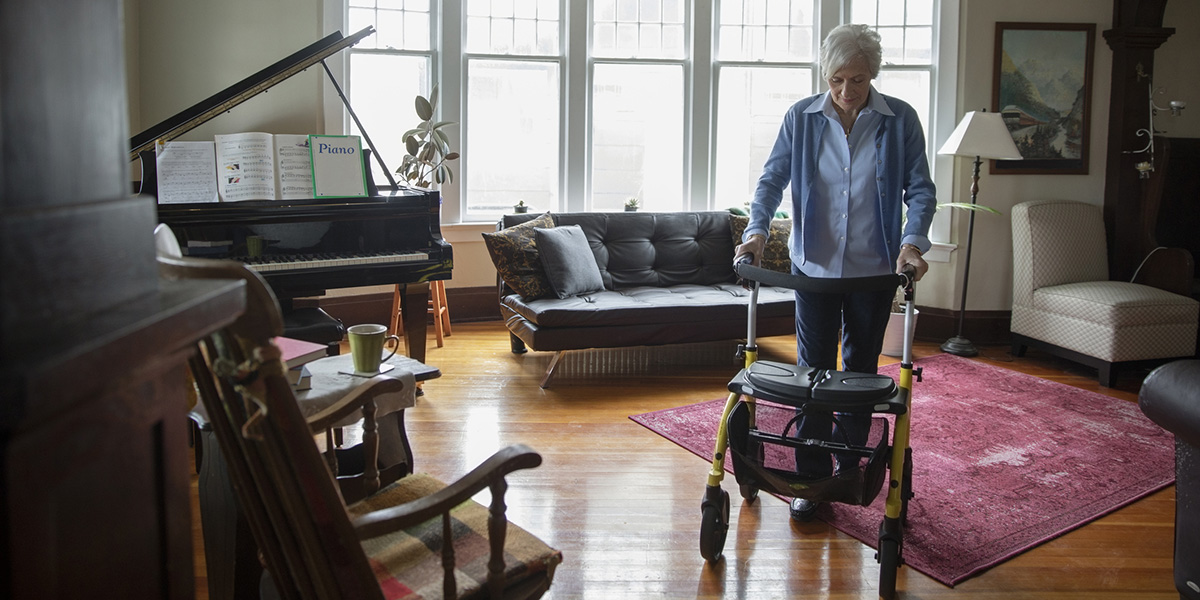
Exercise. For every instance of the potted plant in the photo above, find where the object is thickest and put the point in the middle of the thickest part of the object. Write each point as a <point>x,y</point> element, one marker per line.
<point>893,337</point>
<point>428,147</point>
<point>520,207</point>
<point>631,205</point>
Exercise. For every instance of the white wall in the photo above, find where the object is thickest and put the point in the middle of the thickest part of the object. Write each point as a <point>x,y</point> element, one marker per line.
<point>188,50</point>
<point>991,262</point>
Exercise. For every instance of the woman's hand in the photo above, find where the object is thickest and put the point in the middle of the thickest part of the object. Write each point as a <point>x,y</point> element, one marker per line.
<point>753,248</point>
<point>911,256</point>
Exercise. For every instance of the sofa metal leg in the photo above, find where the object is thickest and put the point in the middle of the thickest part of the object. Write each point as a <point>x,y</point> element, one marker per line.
<point>550,370</point>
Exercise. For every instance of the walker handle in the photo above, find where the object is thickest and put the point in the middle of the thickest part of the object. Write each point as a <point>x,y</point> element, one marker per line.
<point>825,285</point>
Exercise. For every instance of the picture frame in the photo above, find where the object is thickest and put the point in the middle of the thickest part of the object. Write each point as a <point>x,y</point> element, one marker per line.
<point>1042,86</point>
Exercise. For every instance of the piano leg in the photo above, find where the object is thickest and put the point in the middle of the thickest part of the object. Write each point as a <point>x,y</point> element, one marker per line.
<point>414,303</point>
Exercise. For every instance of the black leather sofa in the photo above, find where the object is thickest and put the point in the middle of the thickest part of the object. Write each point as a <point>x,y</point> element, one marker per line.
<point>1170,396</point>
<point>668,279</point>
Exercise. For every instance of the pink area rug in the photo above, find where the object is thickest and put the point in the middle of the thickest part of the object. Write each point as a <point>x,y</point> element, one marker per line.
<point>1002,461</point>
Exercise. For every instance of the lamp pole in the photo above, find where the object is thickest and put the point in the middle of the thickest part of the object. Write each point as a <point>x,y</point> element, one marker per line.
<point>958,344</point>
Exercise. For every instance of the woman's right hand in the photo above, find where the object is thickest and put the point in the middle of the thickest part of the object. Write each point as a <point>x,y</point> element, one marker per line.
<point>753,249</point>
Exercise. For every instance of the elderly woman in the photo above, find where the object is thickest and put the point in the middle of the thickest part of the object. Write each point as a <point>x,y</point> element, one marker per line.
<point>855,160</point>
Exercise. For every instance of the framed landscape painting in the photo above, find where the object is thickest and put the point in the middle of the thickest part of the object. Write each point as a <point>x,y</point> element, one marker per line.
<point>1042,87</point>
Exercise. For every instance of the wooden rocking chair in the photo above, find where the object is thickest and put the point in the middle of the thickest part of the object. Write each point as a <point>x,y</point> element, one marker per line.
<point>313,545</point>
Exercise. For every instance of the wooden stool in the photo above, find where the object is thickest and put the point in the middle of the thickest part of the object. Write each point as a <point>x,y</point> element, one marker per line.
<point>437,307</point>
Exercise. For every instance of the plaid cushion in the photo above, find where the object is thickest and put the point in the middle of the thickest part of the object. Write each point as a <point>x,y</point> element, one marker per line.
<point>514,252</point>
<point>776,256</point>
<point>408,564</point>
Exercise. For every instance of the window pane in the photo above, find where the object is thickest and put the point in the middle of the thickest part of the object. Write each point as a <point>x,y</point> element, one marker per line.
<point>750,108</point>
<point>919,12</point>
<point>638,29</point>
<point>384,89</point>
<point>637,136</point>
<point>777,30</point>
<point>911,86</point>
<point>504,27</point>
<point>512,141</point>
<point>405,28</point>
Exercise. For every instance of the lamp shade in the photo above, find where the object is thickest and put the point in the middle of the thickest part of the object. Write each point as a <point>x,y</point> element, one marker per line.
<point>981,134</point>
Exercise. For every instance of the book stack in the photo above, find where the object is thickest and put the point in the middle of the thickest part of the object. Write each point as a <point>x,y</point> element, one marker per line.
<point>295,354</point>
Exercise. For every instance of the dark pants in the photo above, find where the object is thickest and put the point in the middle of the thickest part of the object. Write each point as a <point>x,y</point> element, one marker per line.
<point>859,319</point>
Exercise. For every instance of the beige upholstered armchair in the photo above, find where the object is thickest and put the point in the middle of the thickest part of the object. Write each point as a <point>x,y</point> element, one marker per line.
<point>1064,303</point>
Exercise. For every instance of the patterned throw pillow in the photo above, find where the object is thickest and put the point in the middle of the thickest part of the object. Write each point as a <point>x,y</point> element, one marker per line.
<point>515,254</point>
<point>775,255</point>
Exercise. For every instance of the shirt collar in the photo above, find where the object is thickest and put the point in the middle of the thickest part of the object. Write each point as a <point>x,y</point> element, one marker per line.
<point>875,103</point>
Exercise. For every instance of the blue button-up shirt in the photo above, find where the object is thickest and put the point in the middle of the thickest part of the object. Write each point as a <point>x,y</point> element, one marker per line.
<point>901,182</point>
<point>843,246</point>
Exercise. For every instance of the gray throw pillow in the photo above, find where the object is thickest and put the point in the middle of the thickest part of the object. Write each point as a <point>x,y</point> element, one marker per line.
<point>568,261</point>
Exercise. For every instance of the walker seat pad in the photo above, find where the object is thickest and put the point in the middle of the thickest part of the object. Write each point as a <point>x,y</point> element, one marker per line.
<point>819,389</point>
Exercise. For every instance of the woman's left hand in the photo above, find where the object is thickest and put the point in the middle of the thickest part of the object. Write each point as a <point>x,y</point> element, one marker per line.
<point>911,257</point>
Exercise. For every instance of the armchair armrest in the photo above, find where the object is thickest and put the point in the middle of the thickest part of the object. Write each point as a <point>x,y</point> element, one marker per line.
<point>1169,397</point>
<point>490,473</point>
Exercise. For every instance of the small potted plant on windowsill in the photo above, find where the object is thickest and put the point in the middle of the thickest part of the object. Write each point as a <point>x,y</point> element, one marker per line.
<point>520,207</point>
<point>631,205</point>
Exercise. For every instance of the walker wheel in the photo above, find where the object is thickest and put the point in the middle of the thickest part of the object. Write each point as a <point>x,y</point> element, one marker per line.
<point>889,563</point>
<point>749,492</point>
<point>714,525</point>
<point>891,536</point>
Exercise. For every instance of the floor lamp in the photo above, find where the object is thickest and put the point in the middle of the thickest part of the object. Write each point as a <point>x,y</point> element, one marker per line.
<point>981,135</point>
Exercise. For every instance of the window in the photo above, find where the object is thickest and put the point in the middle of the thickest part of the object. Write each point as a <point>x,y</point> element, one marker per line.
<point>582,105</point>
<point>514,64</point>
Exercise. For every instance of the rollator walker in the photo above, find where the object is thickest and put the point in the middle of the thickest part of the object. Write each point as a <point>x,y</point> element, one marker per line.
<point>768,401</point>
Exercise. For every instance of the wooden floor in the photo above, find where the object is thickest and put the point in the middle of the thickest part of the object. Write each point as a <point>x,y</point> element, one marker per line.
<point>623,504</point>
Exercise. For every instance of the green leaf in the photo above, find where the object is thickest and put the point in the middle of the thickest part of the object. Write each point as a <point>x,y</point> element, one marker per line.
<point>424,109</point>
<point>441,124</point>
<point>433,99</point>
<point>411,144</point>
<point>452,156</point>
<point>442,140</point>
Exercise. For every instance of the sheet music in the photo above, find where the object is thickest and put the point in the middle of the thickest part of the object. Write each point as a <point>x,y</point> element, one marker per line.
<point>186,172</point>
<point>293,163</point>
<point>245,166</point>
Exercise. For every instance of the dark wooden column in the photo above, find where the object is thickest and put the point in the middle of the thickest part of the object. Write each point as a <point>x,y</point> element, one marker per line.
<point>1137,32</point>
<point>93,439</point>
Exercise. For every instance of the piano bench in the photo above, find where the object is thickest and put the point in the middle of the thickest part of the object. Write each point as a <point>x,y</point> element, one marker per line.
<point>312,324</point>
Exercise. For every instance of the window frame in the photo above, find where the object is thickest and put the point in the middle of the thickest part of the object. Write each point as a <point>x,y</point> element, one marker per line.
<point>448,59</point>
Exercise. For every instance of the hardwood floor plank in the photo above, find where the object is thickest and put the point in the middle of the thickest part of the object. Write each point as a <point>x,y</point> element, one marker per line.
<point>623,504</point>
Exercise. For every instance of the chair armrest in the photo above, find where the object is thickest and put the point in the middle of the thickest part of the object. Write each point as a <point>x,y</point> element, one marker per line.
<point>1170,396</point>
<point>368,390</point>
<point>491,471</point>
<point>1169,269</point>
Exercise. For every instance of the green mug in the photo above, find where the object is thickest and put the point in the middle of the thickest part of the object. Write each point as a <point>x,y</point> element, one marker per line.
<point>366,346</point>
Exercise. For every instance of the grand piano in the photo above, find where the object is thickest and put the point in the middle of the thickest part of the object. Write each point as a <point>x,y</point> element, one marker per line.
<point>392,236</point>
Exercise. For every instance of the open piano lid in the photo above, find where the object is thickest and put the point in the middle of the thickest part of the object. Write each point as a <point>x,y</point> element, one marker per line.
<point>251,86</point>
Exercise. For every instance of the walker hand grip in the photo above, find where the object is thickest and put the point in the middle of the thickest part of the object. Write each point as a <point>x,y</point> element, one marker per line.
<point>832,285</point>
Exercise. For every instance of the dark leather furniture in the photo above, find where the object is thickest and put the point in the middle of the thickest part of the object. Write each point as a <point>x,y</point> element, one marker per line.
<point>668,279</point>
<point>1170,397</point>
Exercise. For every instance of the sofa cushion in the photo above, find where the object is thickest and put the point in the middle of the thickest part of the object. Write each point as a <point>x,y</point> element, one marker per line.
<point>568,261</point>
<point>514,252</point>
<point>686,304</point>
<point>776,256</point>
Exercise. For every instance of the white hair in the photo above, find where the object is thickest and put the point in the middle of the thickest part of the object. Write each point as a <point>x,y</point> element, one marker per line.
<point>846,43</point>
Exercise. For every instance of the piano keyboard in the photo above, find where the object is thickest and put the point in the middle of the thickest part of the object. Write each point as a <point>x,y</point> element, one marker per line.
<point>264,264</point>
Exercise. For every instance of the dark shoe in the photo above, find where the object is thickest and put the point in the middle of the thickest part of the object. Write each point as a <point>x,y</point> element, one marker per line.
<point>803,510</point>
